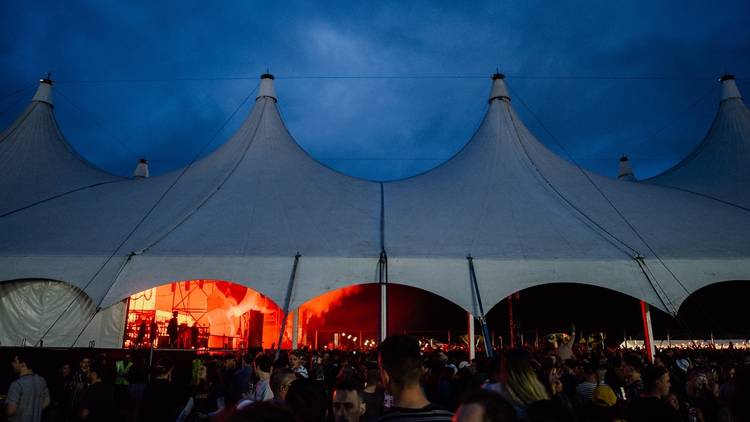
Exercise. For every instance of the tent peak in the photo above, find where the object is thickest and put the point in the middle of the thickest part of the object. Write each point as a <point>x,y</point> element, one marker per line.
<point>266,87</point>
<point>44,92</point>
<point>499,90</point>
<point>729,87</point>
<point>624,170</point>
<point>141,169</point>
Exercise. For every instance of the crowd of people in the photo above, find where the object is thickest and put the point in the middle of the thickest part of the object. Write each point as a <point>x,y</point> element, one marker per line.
<point>401,380</point>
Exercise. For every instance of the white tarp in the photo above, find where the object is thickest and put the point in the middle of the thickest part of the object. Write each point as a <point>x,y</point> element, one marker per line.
<point>29,308</point>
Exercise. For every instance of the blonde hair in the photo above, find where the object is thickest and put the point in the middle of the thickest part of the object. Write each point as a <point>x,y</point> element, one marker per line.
<point>522,385</point>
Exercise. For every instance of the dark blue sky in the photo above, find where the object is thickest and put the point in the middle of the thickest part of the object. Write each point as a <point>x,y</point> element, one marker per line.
<point>572,64</point>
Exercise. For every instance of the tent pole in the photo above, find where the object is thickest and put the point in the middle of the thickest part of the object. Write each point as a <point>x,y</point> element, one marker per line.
<point>482,321</point>
<point>287,303</point>
<point>295,329</point>
<point>648,331</point>
<point>383,281</point>
<point>470,337</point>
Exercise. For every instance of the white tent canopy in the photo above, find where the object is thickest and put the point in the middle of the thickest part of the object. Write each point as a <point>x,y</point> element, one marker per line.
<point>720,166</point>
<point>36,162</point>
<point>529,217</point>
<point>240,214</point>
<point>243,213</point>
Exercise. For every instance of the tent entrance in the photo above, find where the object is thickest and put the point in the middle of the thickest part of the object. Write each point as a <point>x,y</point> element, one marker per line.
<point>201,314</point>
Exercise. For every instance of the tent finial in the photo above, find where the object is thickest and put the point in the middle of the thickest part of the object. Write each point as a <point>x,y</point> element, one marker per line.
<point>499,91</point>
<point>266,87</point>
<point>729,88</point>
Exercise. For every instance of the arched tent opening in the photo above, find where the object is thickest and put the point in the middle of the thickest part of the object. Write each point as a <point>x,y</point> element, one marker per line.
<point>718,311</point>
<point>52,313</point>
<point>201,314</point>
<point>348,318</point>
<point>535,315</point>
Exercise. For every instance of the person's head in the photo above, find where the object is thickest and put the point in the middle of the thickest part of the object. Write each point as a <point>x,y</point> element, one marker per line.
<point>656,381</point>
<point>85,365</point>
<point>400,363</point>
<point>373,375</point>
<point>484,406</point>
<point>163,368</point>
<point>95,374</point>
<point>295,359</point>
<point>21,363</point>
<point>522,383</point>
<point>127,357</point>
<point>174,314</point>
<point>202,373</point>
<point>65,370</point>
<point>697,380</point>
<point>230,361</point>
<point>348,402</point>
<point>262,365</point>
<point>281,380</point>
<point>307,399</point>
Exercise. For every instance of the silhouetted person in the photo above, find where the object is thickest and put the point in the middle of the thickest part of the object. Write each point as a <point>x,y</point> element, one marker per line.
<point>173,330</point>
<point>400,368</point>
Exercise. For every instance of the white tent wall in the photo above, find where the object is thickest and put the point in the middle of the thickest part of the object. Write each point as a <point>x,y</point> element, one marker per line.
<point>28,308</point>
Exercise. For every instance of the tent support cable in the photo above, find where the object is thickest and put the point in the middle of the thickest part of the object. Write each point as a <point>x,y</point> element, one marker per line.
<point>488,350</point>
<point>210,195</point>
<point>611,204</point>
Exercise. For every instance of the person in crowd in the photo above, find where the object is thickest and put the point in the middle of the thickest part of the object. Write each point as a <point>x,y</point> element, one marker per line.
<point>98,401</point>
<point>699,397</point>
<point>160,400</point>
<point>651,405</point>
<point>137,386</point>
<point>308,400</point>
<point>262,390</point>
<point>296,363</point>
<point>738,404</point>
<point>173,330</point>
<point>484,406</point>
<point>80,382</point>
<point>400,364</point>
<point>281,380</point>
<point>239,386</point>
<point>604,406</point>
<point>206,397</point>
<point>522,386</point>
<point>633,365</point>
<point>348,402</point>
<point>373,394</point>
<point>61,392</point>
<point>585,389</point>
<point>28,395</point>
